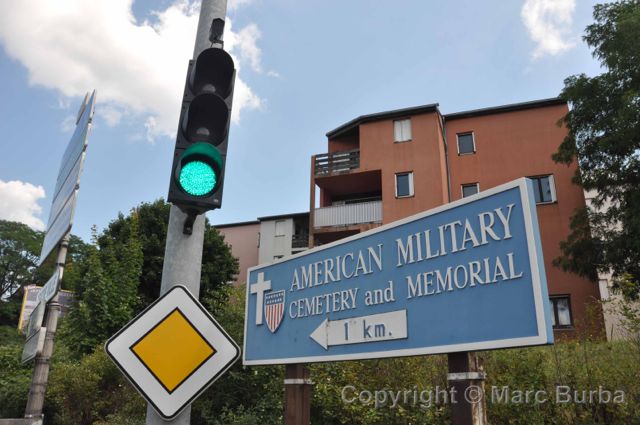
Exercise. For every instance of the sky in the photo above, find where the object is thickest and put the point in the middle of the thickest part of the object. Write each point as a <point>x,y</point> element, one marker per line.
<point>303,69</point>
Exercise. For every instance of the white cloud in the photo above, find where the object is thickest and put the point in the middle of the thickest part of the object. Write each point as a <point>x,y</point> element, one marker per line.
<point>138,68</point>
<point>111,114</point>
<point>234,4</point>
<point>19,202</point>
<point>68,124</point>
<point>549,25</point>
<point>245,40</point>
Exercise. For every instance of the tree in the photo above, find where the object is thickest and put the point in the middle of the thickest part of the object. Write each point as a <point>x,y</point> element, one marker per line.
<point>19,252</point>
<point>121,274</point>
<point>106,292</point>
<point>604,136</point>
<point>20,248</point>
<point>218,265</point>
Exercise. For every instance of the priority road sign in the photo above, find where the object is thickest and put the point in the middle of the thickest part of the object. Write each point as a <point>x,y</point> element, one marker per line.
<point>172,351</point>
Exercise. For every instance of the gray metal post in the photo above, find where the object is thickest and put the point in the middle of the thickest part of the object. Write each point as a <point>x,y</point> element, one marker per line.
<point>40,377</point>
<point>183,253</point>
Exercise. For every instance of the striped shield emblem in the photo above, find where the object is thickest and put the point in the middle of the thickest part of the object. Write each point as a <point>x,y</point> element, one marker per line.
<point>274,309</point>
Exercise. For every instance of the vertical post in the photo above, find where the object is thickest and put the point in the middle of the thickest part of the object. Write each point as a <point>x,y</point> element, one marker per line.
<point>183,253</point>
<point>468,406</point>
<point>40,377</point>
<point>297,393</point>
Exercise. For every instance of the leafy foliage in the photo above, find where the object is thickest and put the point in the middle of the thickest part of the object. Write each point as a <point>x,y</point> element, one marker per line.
<point>218,265</point>
<point>243,395</point>
<point>604,136</point>
<point>19,252</point>
<point>15,377</point>
<point>106,292</point>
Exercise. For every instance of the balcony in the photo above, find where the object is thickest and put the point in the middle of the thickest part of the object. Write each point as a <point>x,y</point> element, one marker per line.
<point>336,162</point>
<point>300,241</point>
<point>344,215</point>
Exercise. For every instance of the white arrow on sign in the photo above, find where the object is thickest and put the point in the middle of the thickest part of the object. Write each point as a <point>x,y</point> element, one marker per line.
<point>371,328</point>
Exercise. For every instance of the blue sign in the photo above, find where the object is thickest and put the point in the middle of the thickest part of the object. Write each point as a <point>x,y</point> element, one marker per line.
<point>462,277</point>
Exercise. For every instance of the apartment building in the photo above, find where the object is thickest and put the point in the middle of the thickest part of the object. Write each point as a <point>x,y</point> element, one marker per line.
<point>265,240</point>
<point>382,167</point>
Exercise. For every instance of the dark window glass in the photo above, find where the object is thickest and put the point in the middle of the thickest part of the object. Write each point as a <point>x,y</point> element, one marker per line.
<point>465,143</point>
<point>402,185</point>
<point>542,189</point>
<point>469,189</point>
<point>561,314</point>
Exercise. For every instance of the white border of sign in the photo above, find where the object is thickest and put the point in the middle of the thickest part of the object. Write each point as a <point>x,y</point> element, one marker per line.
<point>169,405</point>
<point>535,259</point>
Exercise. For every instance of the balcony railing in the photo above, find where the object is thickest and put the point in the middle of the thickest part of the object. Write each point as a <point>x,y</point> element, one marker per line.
<point>337,162</point>
<point>344,215</point>
<point>300,240</point>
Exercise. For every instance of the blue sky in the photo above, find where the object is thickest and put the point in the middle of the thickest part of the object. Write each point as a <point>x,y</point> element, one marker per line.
<point>305,67</point>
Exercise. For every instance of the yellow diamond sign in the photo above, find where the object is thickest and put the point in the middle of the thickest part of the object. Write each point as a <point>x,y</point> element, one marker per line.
<point>172,351</point>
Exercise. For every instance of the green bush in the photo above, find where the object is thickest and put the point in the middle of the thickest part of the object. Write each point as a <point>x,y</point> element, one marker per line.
<point>15,377</point>
<point>92,390</point>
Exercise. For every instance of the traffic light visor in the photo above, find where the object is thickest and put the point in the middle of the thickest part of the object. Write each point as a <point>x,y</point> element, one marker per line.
<point>206,119</point>
<point>198,172</point>
<point>212,73</point>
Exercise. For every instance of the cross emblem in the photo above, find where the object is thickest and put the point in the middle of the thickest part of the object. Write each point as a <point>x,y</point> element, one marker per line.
<point>259,288</point>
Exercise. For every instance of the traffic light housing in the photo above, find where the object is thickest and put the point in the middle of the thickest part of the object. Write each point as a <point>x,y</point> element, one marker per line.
<point>197,174</point>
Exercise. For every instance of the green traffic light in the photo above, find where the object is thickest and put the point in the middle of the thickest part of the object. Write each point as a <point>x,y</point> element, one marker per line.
<point>197,178</point>
<point>200,169</point>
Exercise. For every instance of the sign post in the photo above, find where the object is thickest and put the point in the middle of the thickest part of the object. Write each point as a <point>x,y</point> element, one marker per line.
<point>57,236</point>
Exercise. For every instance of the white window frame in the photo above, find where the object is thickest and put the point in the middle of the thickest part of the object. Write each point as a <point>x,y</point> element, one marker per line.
<point>398,133</point>
<point>282,228</point>
<point>552,186</point>
<point>462,186</point>
<point>473,139</point>
<point>411,192</point>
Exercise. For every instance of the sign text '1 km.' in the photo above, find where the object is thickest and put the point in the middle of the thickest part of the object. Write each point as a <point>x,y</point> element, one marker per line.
<point>465,276</point>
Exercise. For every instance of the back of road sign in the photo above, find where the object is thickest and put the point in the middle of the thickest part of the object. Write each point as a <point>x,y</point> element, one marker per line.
<point>462,277</point>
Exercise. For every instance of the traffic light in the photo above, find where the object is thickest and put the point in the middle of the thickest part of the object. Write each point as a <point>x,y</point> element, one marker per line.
<point>197,174</point>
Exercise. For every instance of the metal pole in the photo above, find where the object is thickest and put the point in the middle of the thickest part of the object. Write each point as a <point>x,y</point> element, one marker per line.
<point>183,253</point>
<point>40,377</point>
<point>466,377</point>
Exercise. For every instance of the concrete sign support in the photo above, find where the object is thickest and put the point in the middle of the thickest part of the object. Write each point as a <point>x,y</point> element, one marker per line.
<point>183,253</point>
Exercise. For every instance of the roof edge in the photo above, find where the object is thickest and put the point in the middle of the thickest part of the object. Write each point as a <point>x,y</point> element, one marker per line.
<point>553,101</point>
<point>346,127</point>
<point>240,223</point>
<point>275,217</point>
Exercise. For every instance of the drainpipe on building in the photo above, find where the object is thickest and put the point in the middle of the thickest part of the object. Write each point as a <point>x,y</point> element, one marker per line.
<point>443,129</point>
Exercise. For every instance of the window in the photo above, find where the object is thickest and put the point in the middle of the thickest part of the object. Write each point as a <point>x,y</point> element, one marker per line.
<point>404,185</point>
<point>402,130</point>
<point>470,189</point>
<point>280,227</point>
<point>544,189</point>
<point>466,144</point>
<point>561,312</point>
